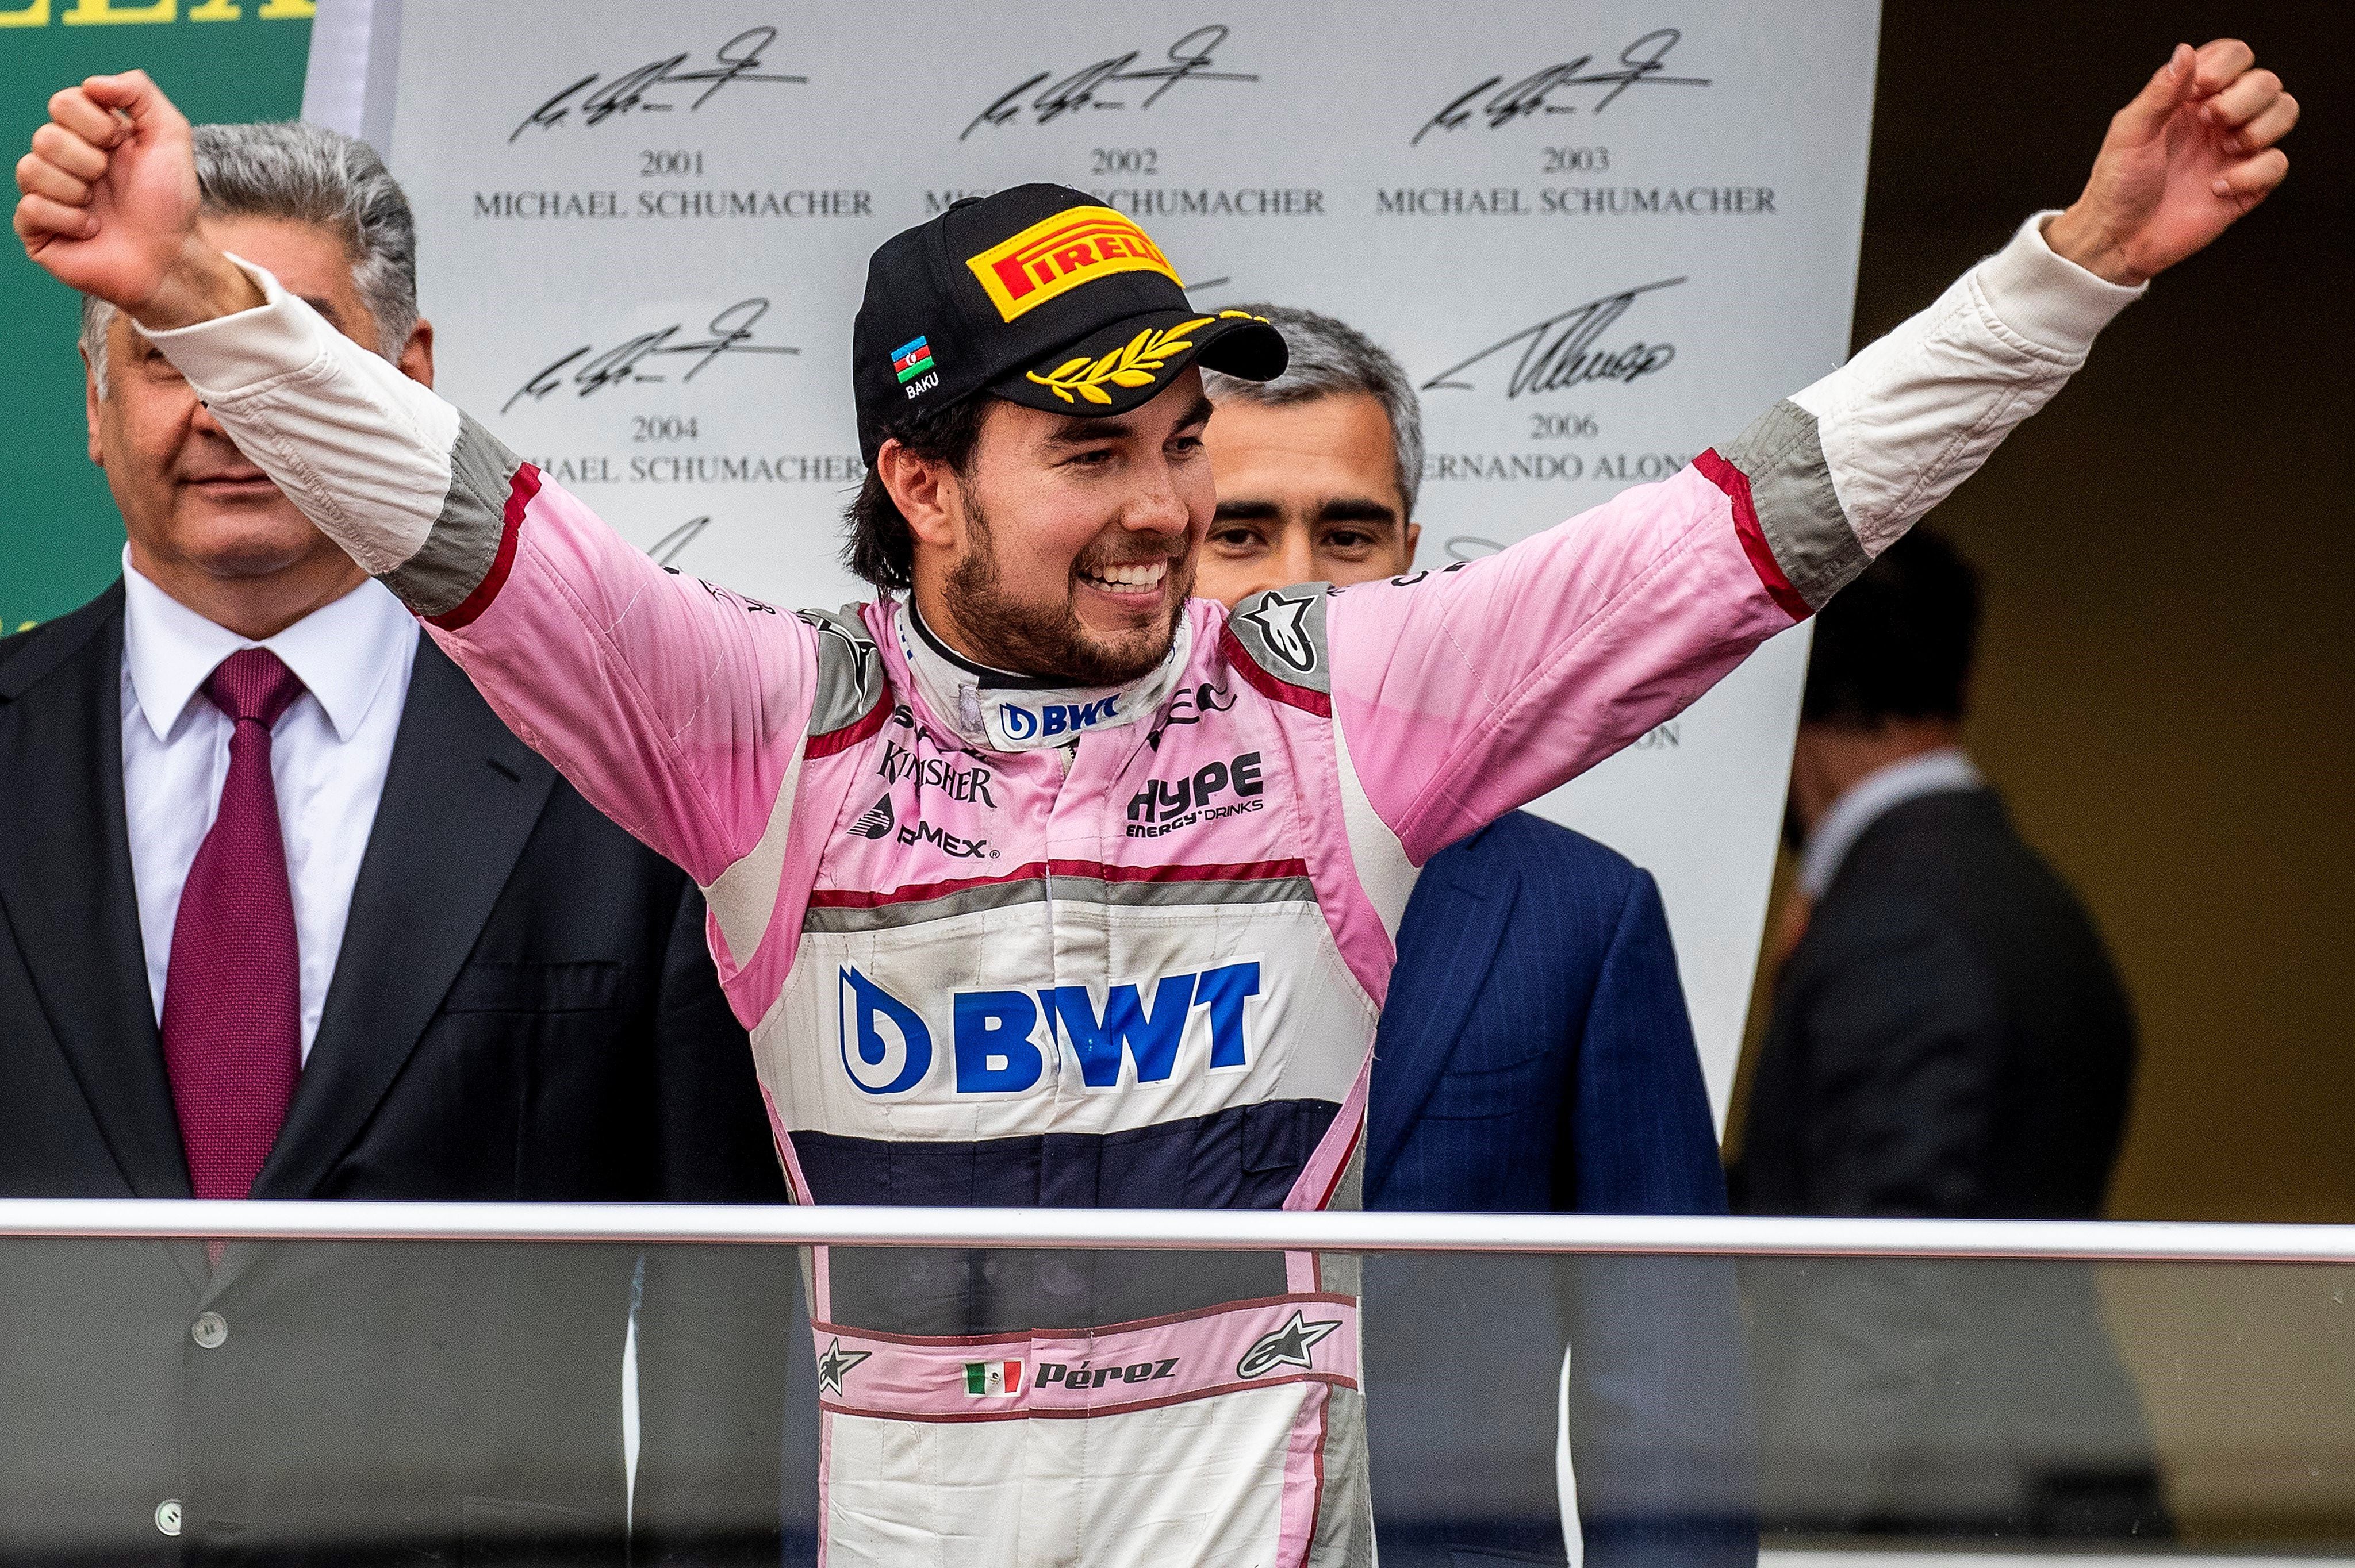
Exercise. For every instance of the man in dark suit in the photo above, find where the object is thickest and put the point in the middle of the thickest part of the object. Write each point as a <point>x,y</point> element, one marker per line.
<point>1948,1039</point>
<point>1534,1056</point>
<point>286,912</point>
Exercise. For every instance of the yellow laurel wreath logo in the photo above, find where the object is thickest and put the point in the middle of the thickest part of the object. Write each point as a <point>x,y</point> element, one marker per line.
<point>1132,364</point>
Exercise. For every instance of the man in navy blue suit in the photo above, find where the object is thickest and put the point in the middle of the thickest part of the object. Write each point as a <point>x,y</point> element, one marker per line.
<point>1534,1056</point>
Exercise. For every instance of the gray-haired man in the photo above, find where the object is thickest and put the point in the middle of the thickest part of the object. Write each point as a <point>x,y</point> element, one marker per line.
<point>301,919</point>
<point>1534,1056</point>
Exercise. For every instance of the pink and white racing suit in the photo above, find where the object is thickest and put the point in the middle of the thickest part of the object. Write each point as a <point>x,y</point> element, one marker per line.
<point>1004,945</point>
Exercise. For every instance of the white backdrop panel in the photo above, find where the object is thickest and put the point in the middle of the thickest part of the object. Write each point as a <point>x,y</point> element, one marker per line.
<point>1600,236</point>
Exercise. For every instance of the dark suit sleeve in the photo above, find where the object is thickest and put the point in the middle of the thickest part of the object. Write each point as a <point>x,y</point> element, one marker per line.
<point>1905,1042</point>
<point>1659,1390</point>
<point>713,1322</point>
<point>1641,1140</point>
<point>1901,1043</point>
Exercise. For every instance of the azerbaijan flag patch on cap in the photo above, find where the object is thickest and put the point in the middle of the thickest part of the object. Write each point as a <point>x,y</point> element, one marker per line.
<point>986,1378</point>
<point>912,360</point>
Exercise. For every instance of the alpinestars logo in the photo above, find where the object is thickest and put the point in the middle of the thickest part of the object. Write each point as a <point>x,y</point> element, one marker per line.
<point>1280,621</point>
<point>837,1362</point>
<point>1289,1346</point>
<point>879,821</point>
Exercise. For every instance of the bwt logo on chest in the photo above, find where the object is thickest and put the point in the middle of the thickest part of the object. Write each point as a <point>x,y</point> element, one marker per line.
<point>993,1035</point>
<point>1054,718</point>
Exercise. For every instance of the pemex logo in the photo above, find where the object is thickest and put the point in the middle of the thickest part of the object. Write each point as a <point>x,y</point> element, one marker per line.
<point>1078,245</point>
<point>876,821</point>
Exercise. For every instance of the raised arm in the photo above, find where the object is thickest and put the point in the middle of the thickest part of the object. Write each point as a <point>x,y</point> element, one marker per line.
<point>1461,694</point>
<point>677,709</point>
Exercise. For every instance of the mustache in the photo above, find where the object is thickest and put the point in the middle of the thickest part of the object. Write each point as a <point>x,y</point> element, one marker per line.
<point>1097,560</point>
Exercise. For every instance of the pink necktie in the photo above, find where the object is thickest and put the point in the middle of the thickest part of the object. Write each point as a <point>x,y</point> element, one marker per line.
<point>232,998</point>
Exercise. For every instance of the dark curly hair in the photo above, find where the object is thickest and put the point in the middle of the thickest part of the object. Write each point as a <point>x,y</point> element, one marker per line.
<point>1898,643</point>
<point>880,549</point>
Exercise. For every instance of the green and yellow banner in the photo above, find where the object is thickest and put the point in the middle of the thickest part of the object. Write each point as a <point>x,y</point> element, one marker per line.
<point>60,541</point>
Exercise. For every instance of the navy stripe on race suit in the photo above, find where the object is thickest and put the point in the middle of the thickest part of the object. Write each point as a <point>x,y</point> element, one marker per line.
<point>1246,1157</point>
<point>942,1292</point>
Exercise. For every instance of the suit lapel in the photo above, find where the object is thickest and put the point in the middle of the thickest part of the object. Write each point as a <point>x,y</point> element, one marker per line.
<point>1454,925</point>
<point>68,891</point>
<point>460,800</point>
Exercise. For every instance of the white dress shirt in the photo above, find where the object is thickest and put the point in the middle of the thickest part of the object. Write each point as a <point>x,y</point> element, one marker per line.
<point>1873,797</point>
<point>328,754</point>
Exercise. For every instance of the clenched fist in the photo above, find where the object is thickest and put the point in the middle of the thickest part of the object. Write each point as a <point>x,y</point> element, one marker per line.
<point>109,205</point>
<point>2192,153</point>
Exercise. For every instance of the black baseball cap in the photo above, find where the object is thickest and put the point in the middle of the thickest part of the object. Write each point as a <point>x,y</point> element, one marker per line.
<point>1040,295</point>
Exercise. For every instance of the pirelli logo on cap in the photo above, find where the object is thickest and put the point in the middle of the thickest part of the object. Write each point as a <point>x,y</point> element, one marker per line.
<point>1078,245</point>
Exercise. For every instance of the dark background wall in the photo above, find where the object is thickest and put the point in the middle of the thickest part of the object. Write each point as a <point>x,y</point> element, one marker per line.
<point>2166,692</point>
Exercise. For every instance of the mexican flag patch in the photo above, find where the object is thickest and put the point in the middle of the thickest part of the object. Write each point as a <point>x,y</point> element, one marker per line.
<point>984,1380</point>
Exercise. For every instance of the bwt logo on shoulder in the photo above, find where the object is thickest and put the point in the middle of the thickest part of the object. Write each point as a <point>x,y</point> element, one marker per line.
<point>1055,719</point>
<point>886,1045</point>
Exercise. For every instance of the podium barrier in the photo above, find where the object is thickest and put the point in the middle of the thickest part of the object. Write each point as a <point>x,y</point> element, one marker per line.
<point>606,1384</point>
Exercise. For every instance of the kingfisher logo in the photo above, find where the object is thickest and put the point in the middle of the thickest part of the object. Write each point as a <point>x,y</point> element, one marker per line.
<point>995,1040</point>
<point>1078,245</point>
<point>939,773</point>
<point>1055,719</point>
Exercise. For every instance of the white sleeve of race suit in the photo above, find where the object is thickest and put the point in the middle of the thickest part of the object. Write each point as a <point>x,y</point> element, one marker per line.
<point>360,447</point>
<point>1471,691</point>
<point>1918,410</point>
<point>677,709</point>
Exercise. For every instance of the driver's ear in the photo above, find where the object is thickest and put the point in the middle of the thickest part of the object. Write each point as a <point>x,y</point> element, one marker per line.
<point>1414,542</point>
<point>920,487</point>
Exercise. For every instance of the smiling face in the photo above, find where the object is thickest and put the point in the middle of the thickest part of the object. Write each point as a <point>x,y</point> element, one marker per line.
<point>205,524</point>
<point>1308,492</point>
<point>1067,548</point>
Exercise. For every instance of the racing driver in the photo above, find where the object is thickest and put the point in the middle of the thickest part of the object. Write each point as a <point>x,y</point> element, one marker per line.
<point>1038,882</point>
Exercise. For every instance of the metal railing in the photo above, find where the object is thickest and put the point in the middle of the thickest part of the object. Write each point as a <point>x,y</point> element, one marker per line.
<point>1224,1230</point>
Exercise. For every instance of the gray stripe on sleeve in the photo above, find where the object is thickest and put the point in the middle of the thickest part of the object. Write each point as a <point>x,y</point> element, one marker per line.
<point>849,676</point>
<point>457,553</point>
<point>1798,510</point>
